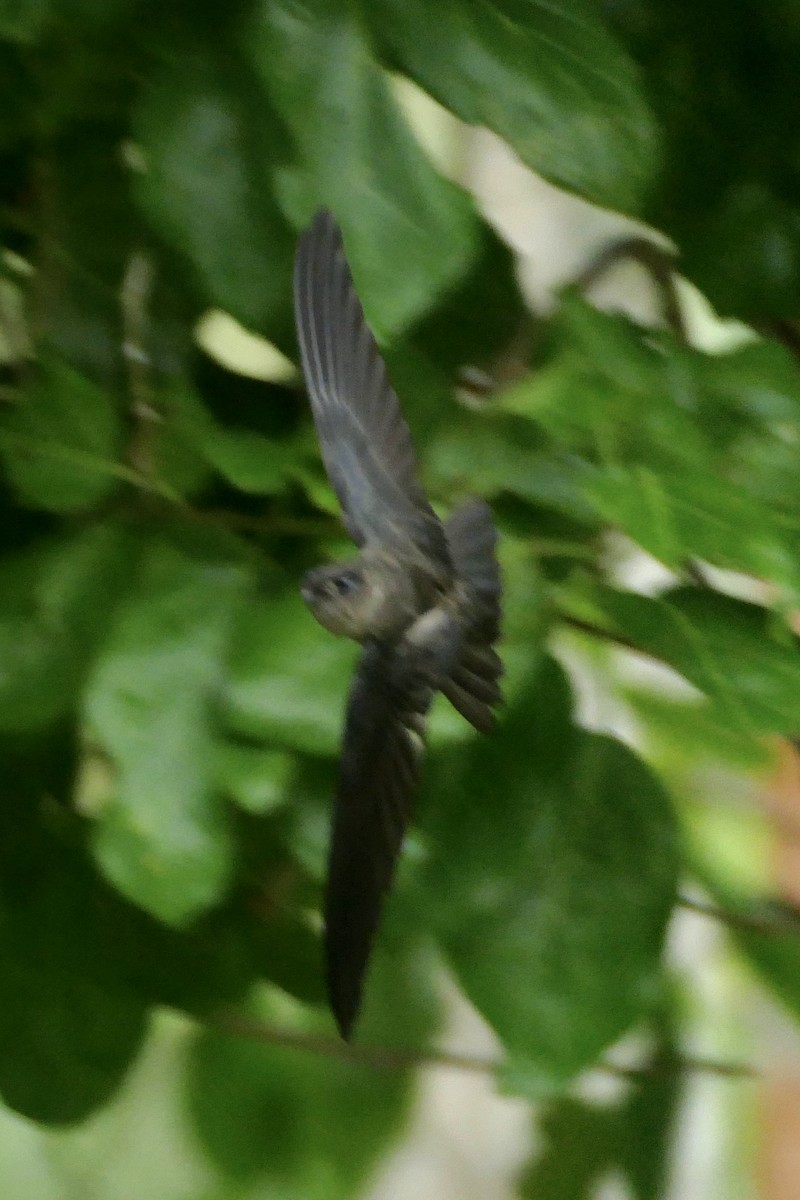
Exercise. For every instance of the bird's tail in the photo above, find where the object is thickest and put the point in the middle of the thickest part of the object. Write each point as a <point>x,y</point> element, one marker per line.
<point>473,687</point>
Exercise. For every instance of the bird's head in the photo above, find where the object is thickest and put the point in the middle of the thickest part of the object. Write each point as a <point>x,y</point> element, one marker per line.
<point>338,596</point>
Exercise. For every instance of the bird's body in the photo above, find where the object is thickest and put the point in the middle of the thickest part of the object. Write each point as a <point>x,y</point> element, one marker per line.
<point>371,596</point>
<point>421,597</point>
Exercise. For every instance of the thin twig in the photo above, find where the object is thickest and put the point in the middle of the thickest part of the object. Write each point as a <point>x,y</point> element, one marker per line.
<point>385,1058</point>
<point>660,265</point>
<point>137,285</point>
<point>694,570</point>
<point>607,635</point>
<point>747,921</point>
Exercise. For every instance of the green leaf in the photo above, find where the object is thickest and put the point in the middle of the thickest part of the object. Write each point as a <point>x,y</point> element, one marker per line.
<point>475,322</point>
<point>735,215</point>
<point>250,461</point>
<point>207,187</point>
<point>552,874</point>
<point>88,219</point>
<point>690,454</point>
<point>630,1137</point>
<point>628,397</point>
<point>615,392</point>
<point>409,233</point>
<point>548,78</point>
<point>306,825</point>
<point>16,107</point>
<point>258,465</point>
<point>680,515</point>
<point>759,379</point>
<point>24,20</point>
<point>774,950</point>
<point>178,459</point>
<point>288,952</point>
<point>425,390</point>
<point>648,1120</point>
<point>66,1039</point>
<point>258,1107</point>
<point>195,970</point>
<point>163,840</point>
<point>685,732</point>
<point>95,13</point>
<point>288,678</point>
<point>54,602</point>
<point>254,778</point>
<point>560,1173</point>
<point>490,455</point>
<point>755,392</point>
<point>60,443</point>
<point>776,956</point>
<point>100,285</point>
<point>735,652</point>
<point>69,1024</point>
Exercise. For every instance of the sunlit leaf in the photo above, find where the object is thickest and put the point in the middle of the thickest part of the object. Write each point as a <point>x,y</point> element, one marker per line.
<point>615,392</point>
<point>734,651</point>
<point>677,516</point>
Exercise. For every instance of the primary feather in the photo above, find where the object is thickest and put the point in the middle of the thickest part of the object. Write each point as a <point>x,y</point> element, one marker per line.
<point>365,442</point>
<point>427,608</point>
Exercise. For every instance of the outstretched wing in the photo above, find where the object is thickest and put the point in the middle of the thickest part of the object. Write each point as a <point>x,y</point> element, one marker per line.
<point>366,444</point>
<point>379,771</point>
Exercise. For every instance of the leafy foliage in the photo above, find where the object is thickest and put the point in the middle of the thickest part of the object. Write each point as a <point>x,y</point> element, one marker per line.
<point>542,873</point>
<point>170,715</point>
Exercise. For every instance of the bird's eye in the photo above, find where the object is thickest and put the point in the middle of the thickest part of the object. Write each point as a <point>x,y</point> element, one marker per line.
<point>345,584</point>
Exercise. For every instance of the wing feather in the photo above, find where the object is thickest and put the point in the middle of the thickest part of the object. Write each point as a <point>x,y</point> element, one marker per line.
<point>379,773</point>
<point>366,444</point>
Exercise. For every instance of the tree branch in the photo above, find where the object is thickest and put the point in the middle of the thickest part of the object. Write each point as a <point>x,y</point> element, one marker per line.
<point>385,1058</point>
<point>747,921</point>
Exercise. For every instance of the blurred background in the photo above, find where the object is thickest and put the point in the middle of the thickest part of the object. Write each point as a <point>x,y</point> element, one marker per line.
<point>575,228</point>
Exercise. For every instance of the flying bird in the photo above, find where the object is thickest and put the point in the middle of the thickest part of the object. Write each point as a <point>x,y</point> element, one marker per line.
<point>421,597</point>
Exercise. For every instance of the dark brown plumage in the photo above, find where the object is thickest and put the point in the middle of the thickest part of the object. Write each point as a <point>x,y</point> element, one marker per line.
<point>421,597</point>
